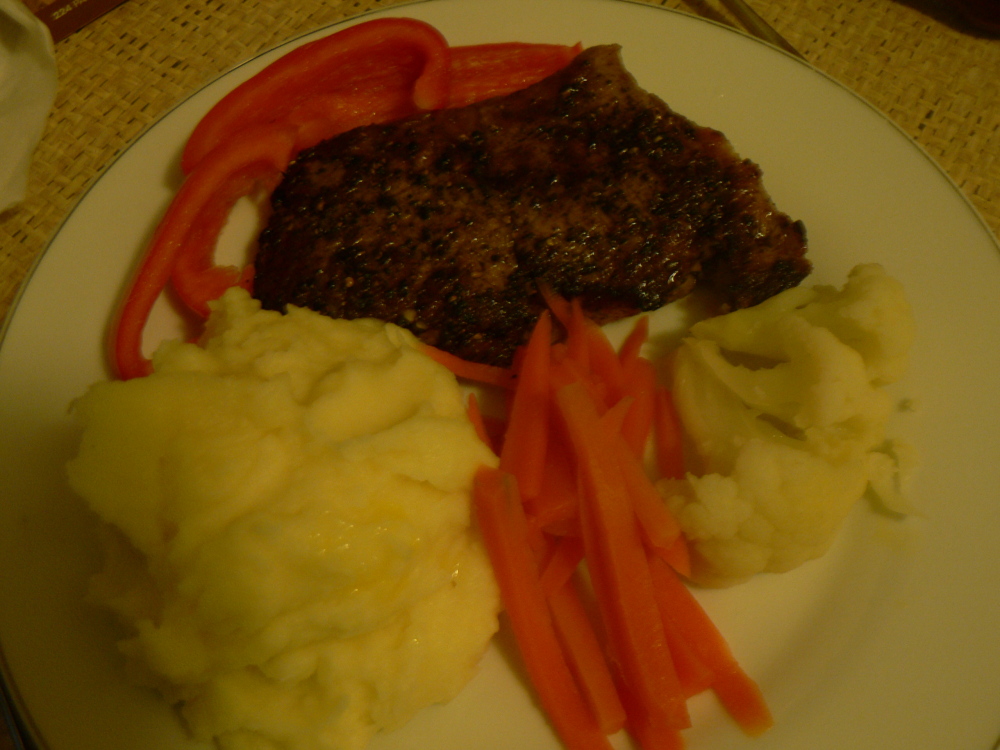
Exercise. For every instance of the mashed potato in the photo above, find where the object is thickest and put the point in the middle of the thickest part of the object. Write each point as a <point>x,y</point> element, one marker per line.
<point>288,523</point>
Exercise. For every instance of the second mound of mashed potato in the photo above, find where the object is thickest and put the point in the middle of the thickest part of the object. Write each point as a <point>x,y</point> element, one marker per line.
<point>289,531</point>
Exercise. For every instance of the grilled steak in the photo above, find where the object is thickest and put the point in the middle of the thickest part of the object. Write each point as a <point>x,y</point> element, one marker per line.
<point>447,222</point>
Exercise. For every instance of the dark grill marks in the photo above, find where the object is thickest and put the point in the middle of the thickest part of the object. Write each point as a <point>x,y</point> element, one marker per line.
<point>445,223</point>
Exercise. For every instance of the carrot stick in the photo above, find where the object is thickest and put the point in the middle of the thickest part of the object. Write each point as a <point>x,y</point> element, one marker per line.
<point>557,304</point>
<point>563,369</point>
<point>648,736</point>
<point>561,565</point>
<point>669,443</point>
<point>622,582</point>
<point>694,675</point>
<point>588,412</point>
<point>523,452</point>
<point>577,344</point>
<point>660,530</point>
<point>658,525</point>
<point>744,701</point>
<point>504,528</point>
<point>628,352</point>
<point>593,352</point>
<point>604,363</point>
<point>495,428</point>
<point>738,692</point>
<point>558,499</point>
<point>639,383</point>
<point>586,659</point>
<point>613,419</point>
<point>477,372</point>
<point>566,370</point>
<point>677,556</point>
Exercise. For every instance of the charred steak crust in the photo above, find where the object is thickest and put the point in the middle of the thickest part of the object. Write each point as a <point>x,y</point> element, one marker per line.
<point>446,223</point>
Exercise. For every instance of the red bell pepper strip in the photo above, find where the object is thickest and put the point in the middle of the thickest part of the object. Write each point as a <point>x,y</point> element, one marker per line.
<point>255,149</point>
<point>343,61</point>
<point>195,276</point>
<point>327,115</point>
<point>483,71</point>
<point>374,72</point>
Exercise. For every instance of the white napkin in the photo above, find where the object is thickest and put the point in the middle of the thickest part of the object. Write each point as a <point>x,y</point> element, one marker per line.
<point>27,91</point>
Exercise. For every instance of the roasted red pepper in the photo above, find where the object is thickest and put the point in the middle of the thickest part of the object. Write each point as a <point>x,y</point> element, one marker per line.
<point>356,59</point>
<point>237,164</point>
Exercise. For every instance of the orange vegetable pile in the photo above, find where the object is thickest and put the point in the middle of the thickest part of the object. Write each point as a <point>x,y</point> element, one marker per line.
<point>589,560</point>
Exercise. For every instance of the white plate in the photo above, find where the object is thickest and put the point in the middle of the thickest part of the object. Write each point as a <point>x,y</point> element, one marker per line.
<point>890,642</point>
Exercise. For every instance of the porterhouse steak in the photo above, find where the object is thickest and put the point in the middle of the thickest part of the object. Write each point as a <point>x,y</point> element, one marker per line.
<point>447,222</point>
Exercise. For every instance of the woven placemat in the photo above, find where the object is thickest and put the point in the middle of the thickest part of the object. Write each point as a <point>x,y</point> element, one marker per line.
<point>121,72</point>
<point>917,61</point>
<point>924,67</point>
<point>117,76</point>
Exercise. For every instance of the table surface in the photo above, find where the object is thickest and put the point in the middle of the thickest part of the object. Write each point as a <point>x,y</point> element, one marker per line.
<point>915,60</point>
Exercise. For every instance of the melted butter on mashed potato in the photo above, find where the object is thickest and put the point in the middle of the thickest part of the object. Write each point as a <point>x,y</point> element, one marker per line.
<point>288,520</point>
